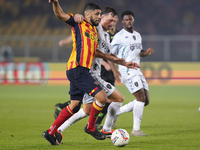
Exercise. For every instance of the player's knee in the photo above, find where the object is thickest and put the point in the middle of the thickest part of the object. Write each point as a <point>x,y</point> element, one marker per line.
<point>73,104</point>
<point>87,112</point>
<point>77,108</point>
<point>121,99</point>
<point>146,102</point>
<point>101,97</point>
<point>103,100</point>
<point>143,98</point>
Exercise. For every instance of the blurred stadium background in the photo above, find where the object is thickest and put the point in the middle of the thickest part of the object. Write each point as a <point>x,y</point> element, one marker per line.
<point>30,32</point>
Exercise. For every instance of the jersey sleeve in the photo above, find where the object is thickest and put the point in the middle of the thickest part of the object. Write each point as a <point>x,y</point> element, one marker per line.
<point>141,44</point>
<point>114,46</point>
<point>141,48</point>
<point>71,21</point>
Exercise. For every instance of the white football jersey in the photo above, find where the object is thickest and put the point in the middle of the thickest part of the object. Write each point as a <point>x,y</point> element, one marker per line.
<point>104,46</point>
<point>128,46</point>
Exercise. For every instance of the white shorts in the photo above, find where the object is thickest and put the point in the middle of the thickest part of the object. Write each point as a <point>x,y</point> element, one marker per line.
<point>135,83</point>
<point>107,87</point>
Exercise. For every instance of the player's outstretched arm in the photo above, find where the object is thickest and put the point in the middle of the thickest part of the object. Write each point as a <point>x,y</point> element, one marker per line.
<point>58,11</point>
<point>65,41</point>
<point>113,58</point>
<point>110,57</point>
<point>144,53</point>
<point>131,65</point>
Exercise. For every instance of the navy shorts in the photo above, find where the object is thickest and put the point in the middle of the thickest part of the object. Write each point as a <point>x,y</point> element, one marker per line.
<point>81,82</point>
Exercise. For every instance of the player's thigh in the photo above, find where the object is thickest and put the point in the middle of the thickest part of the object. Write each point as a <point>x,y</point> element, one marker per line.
<point>81,81</point>
<point>144,83</point>
<point>107,87</point>
<point>147,100</point>
<point>116,96</point>
<point>146,90</point>
<point>73,104</point>
<point>140,95</point>
<point>101,97</point>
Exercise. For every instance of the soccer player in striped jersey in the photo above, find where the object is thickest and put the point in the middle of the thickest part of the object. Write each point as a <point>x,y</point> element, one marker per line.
<point>107,21</point>
<point>85,43</point>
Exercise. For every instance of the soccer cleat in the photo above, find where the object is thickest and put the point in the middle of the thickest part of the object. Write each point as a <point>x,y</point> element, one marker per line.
<point>58,109</point>
<point>98,126</point>
<point>107,134</point>
<point>51,139</point>
<point>96,134</point>
<point>137,133</point>
<point>58,136</point>
<point>115,122</point>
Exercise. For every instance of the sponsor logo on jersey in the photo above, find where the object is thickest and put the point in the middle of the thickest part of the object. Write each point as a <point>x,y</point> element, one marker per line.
<point>91,36</point>
<point>109,86</point>
<point>136,45</point>
<point>136,84</point>
<point>105,46</point>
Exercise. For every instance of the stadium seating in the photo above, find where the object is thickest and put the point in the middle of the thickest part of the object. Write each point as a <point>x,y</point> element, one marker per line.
<point>35,18</point>
<point>24,17</point>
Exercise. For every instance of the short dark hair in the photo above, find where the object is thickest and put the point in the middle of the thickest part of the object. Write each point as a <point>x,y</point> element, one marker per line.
<point>126,12</point>
<point>109,9</point>
<point>91,6</point>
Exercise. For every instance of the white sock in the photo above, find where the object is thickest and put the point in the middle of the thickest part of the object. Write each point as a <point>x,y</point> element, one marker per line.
<point>137,113</point>
<point>127,107</point>
<point>77,116</point>
<point>111,113</point>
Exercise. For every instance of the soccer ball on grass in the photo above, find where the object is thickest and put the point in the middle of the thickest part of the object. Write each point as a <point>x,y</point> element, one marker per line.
<point>120,137</point>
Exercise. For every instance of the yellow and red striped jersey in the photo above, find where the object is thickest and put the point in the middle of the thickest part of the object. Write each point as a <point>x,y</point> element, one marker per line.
<point>85,42</point>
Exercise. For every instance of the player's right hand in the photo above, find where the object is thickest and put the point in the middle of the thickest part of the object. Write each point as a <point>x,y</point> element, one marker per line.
<point>131,65</point>
<point>78,18</point>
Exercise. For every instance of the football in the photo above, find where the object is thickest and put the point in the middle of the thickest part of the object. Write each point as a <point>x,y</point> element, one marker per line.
<point>120,137</point>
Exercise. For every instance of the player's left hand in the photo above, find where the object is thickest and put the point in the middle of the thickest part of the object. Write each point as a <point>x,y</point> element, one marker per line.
<point>78,18</point>
<point>150,51</point>
<point>131,65</point>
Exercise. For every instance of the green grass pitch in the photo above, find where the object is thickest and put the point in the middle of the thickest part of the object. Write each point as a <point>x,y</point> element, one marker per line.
<point>171,120</point>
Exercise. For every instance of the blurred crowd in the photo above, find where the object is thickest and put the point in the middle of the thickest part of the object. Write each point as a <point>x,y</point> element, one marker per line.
<point>162,17</point>
<point>157,17</point>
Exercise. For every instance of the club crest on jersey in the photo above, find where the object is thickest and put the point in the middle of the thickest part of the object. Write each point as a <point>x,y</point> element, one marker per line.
<point>132,47</point>
<point>95,82</point>
<point>134,37</point>
<point>136,84</point>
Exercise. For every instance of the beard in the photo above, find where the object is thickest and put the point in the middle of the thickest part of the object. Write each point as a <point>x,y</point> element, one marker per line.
<point>129,28</point>
<point>93,22</point>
